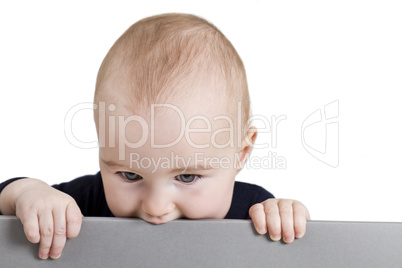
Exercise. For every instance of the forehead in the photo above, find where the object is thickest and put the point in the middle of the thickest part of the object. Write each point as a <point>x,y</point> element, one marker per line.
<point>184,129</point>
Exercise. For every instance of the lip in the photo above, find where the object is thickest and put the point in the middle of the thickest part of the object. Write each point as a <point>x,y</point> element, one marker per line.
<point>160,219</point>
<point>156,220</point>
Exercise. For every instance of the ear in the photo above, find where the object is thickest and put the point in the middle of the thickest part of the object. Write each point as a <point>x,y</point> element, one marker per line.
<point>246,147</point>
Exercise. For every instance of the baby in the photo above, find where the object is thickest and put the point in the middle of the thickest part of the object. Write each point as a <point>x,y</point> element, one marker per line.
<point>172,114</point>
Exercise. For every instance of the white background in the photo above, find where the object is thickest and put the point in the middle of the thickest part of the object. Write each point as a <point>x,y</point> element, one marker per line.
<point>299,56</point>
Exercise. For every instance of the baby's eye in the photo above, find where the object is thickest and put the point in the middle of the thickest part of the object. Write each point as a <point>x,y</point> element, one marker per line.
<point>130,176</point>
<point>187,178</point>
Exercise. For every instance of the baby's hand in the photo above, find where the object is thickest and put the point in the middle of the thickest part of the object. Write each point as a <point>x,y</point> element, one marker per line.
<point>48,215</point>
<point>280,217</point>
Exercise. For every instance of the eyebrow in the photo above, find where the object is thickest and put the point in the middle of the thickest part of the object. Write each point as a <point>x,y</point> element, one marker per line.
<point>112,163</point>
<point>183,169</point>
<point>191,169</point>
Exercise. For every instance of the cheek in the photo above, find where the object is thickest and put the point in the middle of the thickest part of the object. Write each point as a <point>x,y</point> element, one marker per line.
<point>212,200</point>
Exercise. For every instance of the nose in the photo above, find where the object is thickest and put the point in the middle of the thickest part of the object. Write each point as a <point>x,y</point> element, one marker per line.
<point>157,203</point>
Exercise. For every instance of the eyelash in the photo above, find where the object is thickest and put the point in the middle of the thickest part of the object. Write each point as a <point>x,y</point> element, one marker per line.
<point>197,179</point>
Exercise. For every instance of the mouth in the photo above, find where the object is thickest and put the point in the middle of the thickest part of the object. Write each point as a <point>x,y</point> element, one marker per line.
<point>160,219</point>
<point>156,220</point>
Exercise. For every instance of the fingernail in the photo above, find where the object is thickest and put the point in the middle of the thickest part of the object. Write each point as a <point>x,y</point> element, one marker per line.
<point>299,235</point>
<point>288,239</point>
<point>275,238</point>
<point>43,256</point>
<point>55,257</point>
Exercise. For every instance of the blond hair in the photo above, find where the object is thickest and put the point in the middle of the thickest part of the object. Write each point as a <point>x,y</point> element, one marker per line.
<point>160,54</point>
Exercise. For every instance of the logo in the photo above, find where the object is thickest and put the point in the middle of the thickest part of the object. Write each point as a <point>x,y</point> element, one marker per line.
<point>320,134</point>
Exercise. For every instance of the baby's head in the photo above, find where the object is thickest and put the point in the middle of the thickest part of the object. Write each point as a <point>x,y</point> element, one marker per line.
<point>172,120</point>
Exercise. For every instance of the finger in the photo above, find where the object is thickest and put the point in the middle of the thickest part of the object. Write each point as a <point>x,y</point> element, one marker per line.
<point>31,227</point>
<point>257,215</point>
<point>74,220</point>
<point>273,219</point>
<point>286,213</point>
<point>59,235</point>
<point>46,234</point>
<point>300,216</point>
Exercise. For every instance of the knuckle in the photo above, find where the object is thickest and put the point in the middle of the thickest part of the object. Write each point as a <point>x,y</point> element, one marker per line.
<point>32,236</point>
<point>285,202</point>
<point>288,231</point>
<point>61,231</point>
<point>56,250</point>
<point>299,206</point>
<point>255,208</point>
<point>299,224</point>
<point>73,212</point>
<point>24,214</point>
<point>44,250</point>
<point>299,215</point>
<point>274,228</point>
<point>75,219</point>
<point>47,232</point>
<point>271,201</point>
<point>271,208</point>
<point>285,208</point>
<point>297,203</point>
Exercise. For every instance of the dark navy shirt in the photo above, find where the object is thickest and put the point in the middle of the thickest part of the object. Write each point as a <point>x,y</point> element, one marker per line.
<point>89,194</point>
